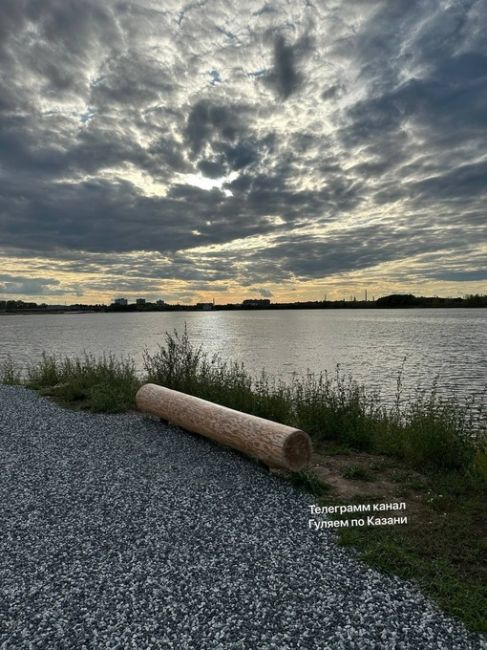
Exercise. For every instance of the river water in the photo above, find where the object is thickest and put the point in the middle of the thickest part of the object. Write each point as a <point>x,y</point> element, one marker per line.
<point>450,344</point>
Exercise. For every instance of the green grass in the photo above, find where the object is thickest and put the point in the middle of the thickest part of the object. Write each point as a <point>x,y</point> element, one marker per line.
<point>103,384</point>
<point>10,373</point>
<point>442,548</point>
<point>309,482</point>
<point>357,473</point>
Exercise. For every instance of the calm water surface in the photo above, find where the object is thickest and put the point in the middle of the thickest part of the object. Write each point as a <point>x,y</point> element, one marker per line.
<point>371,345</point>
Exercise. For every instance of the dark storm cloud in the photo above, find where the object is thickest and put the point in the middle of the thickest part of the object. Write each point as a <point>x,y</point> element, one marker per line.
<point>112,115</point>
<point>438,102</point>
<point>54,40</point>
<point>212,168</point>
<point>133,80</point>
<point>314,257</point>
<point>107,215</point>
<point>457,185</point>
<point>243,153</point>
<point>307,257</point>
<point>285,77</point>
<point>462,276</point>
<point>218,138</point>
<point>207,121</point>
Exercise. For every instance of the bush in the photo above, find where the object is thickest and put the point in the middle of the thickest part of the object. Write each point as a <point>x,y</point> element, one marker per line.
<point>104,384</point>
<point>9,373</point>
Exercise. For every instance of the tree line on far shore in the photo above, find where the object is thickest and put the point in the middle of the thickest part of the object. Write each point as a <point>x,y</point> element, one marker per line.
<point>393,301</point>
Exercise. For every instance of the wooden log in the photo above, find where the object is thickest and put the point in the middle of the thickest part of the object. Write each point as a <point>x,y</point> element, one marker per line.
<point>275,444</point>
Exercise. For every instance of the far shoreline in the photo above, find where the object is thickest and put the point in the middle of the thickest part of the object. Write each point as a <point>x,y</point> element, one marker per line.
<point>81,312</point>
<point>53,312</point>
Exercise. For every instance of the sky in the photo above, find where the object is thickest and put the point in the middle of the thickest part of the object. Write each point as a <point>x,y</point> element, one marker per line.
<point>291,150</point>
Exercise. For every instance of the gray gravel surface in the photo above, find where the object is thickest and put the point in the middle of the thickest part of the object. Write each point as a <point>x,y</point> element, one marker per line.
<point>118,532</point>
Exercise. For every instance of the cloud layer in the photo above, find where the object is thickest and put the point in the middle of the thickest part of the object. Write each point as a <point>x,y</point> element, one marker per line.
<point>211,147</point>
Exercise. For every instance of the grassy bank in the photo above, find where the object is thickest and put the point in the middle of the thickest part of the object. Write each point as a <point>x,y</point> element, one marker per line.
<point>443,546</point>
<point>103,385</point>
<point>427,450</point>
<point>426,432</point>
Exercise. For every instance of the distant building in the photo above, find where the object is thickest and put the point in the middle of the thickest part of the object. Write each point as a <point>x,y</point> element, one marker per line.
<point>160,303</point>
<point>256,302</point>
<point>204,306</point>
<point>140,301</point>
<point>121,301</point>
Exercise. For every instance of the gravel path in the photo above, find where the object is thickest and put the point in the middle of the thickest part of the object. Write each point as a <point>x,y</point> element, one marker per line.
<point>117,532</point>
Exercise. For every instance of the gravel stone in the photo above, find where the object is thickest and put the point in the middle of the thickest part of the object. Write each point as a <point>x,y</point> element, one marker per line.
<point>118,532</point>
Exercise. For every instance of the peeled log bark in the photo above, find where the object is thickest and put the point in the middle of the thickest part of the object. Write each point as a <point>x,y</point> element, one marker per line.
<point>275,444</point>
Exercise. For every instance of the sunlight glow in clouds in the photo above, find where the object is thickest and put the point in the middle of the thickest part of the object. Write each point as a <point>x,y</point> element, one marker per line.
<point>205,183</point>
<point>181,150</point>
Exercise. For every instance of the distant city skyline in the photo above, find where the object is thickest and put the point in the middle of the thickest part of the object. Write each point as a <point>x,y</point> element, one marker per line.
<point>138,304</point>
<point>191,151</point>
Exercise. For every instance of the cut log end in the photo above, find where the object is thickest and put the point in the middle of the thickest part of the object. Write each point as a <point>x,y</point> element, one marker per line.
<point>297,451</point>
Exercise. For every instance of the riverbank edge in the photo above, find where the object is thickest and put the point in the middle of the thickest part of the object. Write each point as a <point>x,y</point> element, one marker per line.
<point>443,546</point>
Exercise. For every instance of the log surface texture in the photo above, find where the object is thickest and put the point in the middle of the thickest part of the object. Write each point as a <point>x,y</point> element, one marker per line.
<point>275,444</point>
